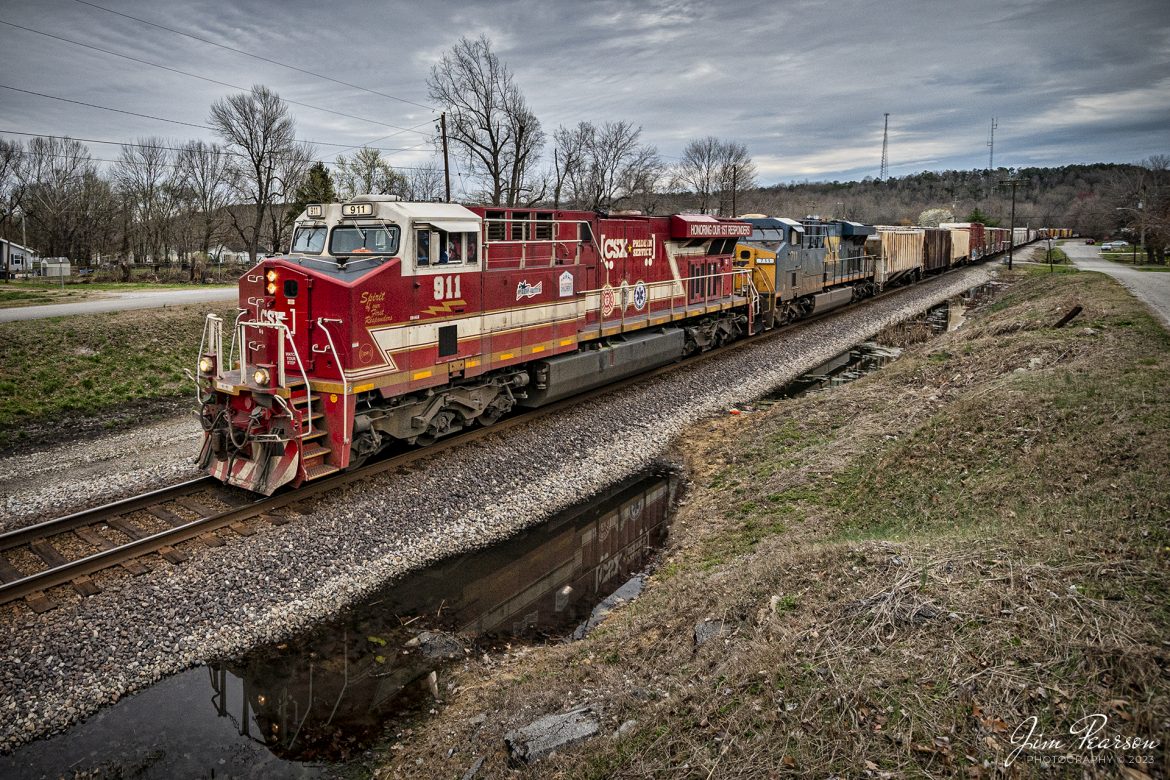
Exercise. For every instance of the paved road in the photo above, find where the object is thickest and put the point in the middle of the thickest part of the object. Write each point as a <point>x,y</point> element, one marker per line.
<point>121,301</point>
<point>1150,287</point>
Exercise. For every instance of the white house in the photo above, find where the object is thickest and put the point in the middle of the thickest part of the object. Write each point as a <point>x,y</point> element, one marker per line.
<point>16,258</point>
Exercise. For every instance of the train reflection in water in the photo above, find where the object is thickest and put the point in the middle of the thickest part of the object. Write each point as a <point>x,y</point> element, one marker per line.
<point>329,694</point>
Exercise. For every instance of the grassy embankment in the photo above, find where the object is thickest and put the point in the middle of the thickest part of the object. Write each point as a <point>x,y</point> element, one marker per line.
<point>1040,254</point>
<point>67,375</point>
<point>908,568</point>
<point>1128,256</point>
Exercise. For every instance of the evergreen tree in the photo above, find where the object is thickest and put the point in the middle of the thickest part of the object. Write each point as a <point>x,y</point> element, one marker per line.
<point>316,188</point>
<point>978,216</point>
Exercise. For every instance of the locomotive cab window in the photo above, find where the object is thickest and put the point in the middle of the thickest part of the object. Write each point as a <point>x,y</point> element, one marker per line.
<point>434,246</point>
<point>309,240</point>
<point>364,240</point>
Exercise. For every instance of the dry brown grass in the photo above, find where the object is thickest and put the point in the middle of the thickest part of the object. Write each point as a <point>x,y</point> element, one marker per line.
<point>908,568</point>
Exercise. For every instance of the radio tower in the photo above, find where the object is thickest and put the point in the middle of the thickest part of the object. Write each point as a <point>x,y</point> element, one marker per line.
<point>885,150</point>
<point>991,147</point>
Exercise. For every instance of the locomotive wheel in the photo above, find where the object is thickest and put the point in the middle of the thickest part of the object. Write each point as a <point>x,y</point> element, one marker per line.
<point>440,426</point>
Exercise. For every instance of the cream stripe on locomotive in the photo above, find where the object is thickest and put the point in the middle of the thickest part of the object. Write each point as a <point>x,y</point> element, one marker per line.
<point>398,337</point>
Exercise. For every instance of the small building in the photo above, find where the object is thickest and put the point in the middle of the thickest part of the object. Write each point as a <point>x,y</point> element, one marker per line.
<point>55,267</point>
<point>16,259</point>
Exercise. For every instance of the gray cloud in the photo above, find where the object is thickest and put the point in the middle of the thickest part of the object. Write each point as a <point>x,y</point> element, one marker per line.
<point>803,84</point>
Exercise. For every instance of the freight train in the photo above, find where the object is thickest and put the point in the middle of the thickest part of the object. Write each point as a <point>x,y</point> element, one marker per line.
<point>389,321</point>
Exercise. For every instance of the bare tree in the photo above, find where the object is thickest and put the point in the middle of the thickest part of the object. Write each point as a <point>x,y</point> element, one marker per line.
<point>56,172</point>
<point>367,173</point>
<point>143,176</point>
<point>714,170</point>
<point>490,122</point>
<point>425,183</point>
<point>1153,215</point>
<point>204,171</point>
<point>603,167</point>
<point>570,148</point>
<point>291,171</point>
<point>257,126</point>
<point>12,188</point>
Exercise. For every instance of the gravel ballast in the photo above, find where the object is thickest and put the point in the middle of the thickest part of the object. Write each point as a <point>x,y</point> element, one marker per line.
<point>46,483</point>
<point>64,664</point>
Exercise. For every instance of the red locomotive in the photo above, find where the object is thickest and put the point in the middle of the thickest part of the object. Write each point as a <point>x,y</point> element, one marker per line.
<point>392,321</point>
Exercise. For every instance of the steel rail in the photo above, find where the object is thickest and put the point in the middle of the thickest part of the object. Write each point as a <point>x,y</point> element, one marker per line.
<point>22,536</point>
<point>64,574</point>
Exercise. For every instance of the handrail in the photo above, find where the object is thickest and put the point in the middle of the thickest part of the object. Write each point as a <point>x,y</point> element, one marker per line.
<point>323,322</point>
<point>300,364</point>
<point>216,347</point>
<point>488,242</point>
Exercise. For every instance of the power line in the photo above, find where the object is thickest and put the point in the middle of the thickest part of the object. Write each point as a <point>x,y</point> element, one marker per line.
<point>255,56</point>
<point>197,76</point>
<point>107,108</point>
<point>176,149</point>
<point>164,119</point>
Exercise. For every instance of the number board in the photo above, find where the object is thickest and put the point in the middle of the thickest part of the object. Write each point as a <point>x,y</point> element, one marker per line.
<point>357,210</point>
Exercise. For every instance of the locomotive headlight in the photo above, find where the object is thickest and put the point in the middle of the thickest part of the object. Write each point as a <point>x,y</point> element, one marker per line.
<point>271,288</point>
<point>206,364</point>
<point>261,377</point>
<point>271,275</point>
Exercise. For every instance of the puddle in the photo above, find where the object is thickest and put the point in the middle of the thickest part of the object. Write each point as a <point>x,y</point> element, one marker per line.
<point>869,356</point>
<point>294,709</point>
<point>842,369</point>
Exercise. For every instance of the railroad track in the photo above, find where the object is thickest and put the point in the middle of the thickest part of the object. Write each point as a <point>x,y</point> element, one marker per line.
<point>67,550</point>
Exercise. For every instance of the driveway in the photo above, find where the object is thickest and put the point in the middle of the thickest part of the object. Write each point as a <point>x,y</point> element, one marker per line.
<point>1150,287</point>
<point>121,301</point>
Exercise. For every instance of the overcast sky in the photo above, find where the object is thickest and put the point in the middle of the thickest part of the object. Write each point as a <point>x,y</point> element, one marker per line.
<point>803,84</point>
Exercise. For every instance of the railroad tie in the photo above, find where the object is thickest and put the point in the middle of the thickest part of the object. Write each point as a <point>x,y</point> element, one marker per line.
<point>8,572</point>
<point>49,554</point>
<point>91,536</point>
<point>195,506</point>
<point>38,602</point>
<point>211,540</point>
<point>86,586</point>
<point>166,515</point>
<point>172,555</point>
<point>128,528</point>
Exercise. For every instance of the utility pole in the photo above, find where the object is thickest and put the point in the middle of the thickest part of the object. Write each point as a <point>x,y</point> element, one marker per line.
<point>446,161</point>
<point>1013,183</point>
<point>885,150</point>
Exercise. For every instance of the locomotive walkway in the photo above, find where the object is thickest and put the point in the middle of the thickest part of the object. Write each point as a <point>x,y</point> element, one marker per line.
<point>121,301</point>
<point>1152,289</point>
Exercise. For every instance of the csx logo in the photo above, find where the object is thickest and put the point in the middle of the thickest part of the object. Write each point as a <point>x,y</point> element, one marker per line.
<point>614,248</point>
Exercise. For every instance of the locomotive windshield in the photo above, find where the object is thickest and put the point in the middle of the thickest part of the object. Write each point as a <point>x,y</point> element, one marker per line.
<point>369,239</point>
<point>309,240</point>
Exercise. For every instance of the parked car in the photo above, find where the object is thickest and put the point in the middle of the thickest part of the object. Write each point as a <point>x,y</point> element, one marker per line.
<point>1108,245</point>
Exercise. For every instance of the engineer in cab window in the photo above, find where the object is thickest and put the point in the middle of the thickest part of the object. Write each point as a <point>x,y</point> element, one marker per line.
<point>423,243</point>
